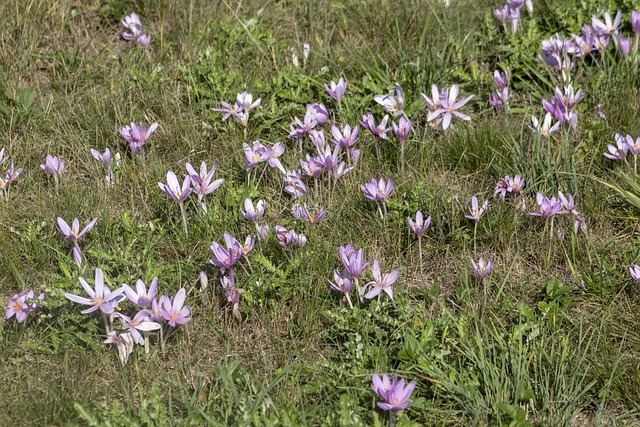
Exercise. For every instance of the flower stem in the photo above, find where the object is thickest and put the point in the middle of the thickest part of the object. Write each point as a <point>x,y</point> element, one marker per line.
<point>349,300</point>
<point>475,232</point>
<point>420,251</point>
<point>184,219</point>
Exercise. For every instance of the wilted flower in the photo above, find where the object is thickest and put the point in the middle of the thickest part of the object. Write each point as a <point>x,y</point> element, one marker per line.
<point>394,393</point>
<point>231,293</point>
<point>101,297</point>
<point>336,91</point>
<point>174,311</point>
<point>123,342</point>
<point>394,104</point>
<point>475,212</point>
<point>482,269</point>
<point>548,207</point>
<point>263,231</point>
<point>10,177</point>
<point>378,191</point>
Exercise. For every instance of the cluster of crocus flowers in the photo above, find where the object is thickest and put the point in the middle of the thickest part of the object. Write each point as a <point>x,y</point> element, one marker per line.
<point>315,115</point>
<point>21,304</point>
<point>74,234</point>
<point>137,136</point>
<point>509,185</point>
<point>563,205</point>
<point>55,166</point>
<point>510,12</point>
<point>547,207</point>
<point>394,393</point>
<point>562,105</point>
<point>624,145</point>
<point>239,109</point>
<point>228,255</point>
<point>289,238</point>
<point>443,106</point>
<point>258,153</point>
<point>500,98</point>
<point>133,24</point>
<point>9,177</point>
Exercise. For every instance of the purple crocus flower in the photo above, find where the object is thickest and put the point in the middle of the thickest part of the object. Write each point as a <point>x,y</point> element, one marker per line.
<point>381,282</point>
<point>402,129</point>
<point>303,128</point>
<point>106,159</point>
<point>420,225</point>
<point>394,393</point>
<point>73,233</point>
<point>231,293</point>
<point>100,296</point>
<point>476,212</point>
<point>6,180</point>
<point>381,130</point>
<point>123,342</point>
<point>54,166</point>
<point>255,154</point>
<point>548,207</point>
<point>342,284</point>
<point>318,113</point>
<point>568,204</point>
<point>336,91</point>
<point>625,46</point>
<point>263,231</point>
<point>618,151</point>
<point>137,136</point>
<point>174,311</point>
<point>393,104</point>
<point>501,79</point>
<point>635,22</point>
<point>202,184</point>
<point>449,108</point>
<point>20,306</point>
<point>226,258</point>
<point>132,23</point>
<point>294,184</point>
<point>234,110</point>
<point>608,27</point>
<point>3,158</point>
<point>545,129</point>
<point>635,272</point>
<point>347,138</point>
<point>276,151</point>
<point>482,269</point>
<point>378,191</point>
<point>173,189</point>
<point>253,214</point>
<point>140,296</point>
<point>515,185</point>
<point>353,261</point>
<point>313,167</point>
<point>311,219</point>
<point>140,323</point>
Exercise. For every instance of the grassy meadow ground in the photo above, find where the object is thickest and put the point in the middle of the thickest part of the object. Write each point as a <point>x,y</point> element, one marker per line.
<point>551,339</point>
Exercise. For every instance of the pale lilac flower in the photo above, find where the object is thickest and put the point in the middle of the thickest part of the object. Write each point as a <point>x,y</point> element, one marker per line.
<point>100,296</point>
<point>515,185</point>
<point>336,91</point>
<point>106,159</point>
<point>625,45</point>
<point>545,129</point>
<point>245,99</point>
<point>353,261</point>
<point>137,136</point>
<point>402,129</point>
<point>247,247</point>
<point>381,130</point>
<point>476,212</point>
<point>313,167</point>
<point>10,177</point>
<point>393,104</point>
<point>394,393</point>
<point>174,311</point>
<point>123,342</point>
<point>381,282</point>
<point>54,166</point>
<point>73,233</point>
<point>156,305</point>
<point>420,225</point>
<point>568,205</point>
<point>227,109</point>
<point>263,231</point>
<point>140,323</point>
<point>231,294</point>
<point>202,184</point>
<point>548,207</point>
<point>255,154</point>
<point>20,305</point>
<point>132,23</point>
<point>303,127</point>
<point>347,138</point>
<point>329,159</point>
<point>306,50</point>
<point>378,191</point>
<point>618,151</point>
<point>501,79</point>
<point>3,158</point>
<point>635,272</point>
<point>173,189</point>
<point>276,151</point>
<point>226,258</point>
<point>341,282</point>
<point>635,22</point>
<point>253,214</point>
<point>141,296</point>
<point>608,27</point>
<point>482,269</point>
<point>501,188</point>
<point>449,108</point>
<point>318,139</point>
<point>502,13</point>
<point>341,168</point>
<point>318,113</point>
<point>634,147</point>
<point>294,184</point>
<point>311,219</point>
